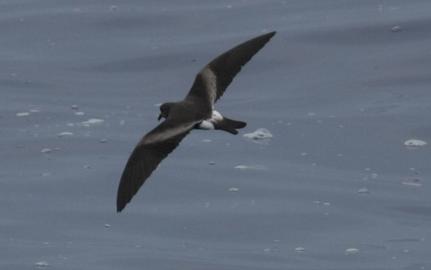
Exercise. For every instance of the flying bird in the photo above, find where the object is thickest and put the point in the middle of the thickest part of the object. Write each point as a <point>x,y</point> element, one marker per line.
<point>195,111</point>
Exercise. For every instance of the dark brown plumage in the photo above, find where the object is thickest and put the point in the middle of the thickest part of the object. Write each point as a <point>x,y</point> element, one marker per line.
<point>195,111</point>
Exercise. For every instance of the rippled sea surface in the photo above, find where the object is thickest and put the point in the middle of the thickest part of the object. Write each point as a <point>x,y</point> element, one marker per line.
<point>341,87</point>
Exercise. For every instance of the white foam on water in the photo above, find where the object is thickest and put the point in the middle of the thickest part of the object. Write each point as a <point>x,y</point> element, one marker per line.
<point>396,28</point>
<point>250,167</point>
<point>413,182</point>
<point>415,143</point>
<point>299,249</point>
<point>41,264</point>
<point>363,191</point>
<point>351,251</point>
<point>92,121</point>
<point>22,114</point>
<point>65,134</point>
<point>260,134</point>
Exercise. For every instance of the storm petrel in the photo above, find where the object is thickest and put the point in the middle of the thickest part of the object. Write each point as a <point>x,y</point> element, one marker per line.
<point>195,111</point>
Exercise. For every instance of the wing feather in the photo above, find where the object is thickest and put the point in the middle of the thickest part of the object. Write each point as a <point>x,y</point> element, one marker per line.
<point>211,82</point>
<point>147,155</point>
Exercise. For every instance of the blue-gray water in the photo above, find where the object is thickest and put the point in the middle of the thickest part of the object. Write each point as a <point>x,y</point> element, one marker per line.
<point>341,87</point>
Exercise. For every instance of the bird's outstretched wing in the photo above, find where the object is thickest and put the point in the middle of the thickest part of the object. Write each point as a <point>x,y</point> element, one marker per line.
<point>215,77</point>
<point>147,155</point>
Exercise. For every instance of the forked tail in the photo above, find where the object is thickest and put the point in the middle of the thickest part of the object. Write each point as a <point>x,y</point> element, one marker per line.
<point>230,125</point>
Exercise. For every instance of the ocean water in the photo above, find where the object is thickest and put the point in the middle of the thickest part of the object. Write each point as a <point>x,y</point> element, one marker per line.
<point>341,87</point>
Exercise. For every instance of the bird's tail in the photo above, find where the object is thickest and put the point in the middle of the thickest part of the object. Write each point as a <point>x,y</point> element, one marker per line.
<point>230,125</point>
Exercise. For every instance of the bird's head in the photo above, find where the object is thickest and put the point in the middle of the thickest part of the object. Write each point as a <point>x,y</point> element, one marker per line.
<point>164,110</point>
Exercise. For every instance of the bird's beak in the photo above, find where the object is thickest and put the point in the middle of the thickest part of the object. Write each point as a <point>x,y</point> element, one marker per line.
<point>160,117</point>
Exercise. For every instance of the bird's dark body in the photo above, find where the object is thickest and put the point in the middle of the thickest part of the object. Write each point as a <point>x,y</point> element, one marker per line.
<point>190,109</point>
<point>195,111</point>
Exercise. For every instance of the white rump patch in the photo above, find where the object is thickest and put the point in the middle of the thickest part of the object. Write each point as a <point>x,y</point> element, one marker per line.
<point>207,125</point>
<point>216,116</point>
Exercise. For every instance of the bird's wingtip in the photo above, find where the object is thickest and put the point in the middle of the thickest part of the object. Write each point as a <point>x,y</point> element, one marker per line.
<point>120,207</point>
<point>271,34</point>
<point>268,35</point>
